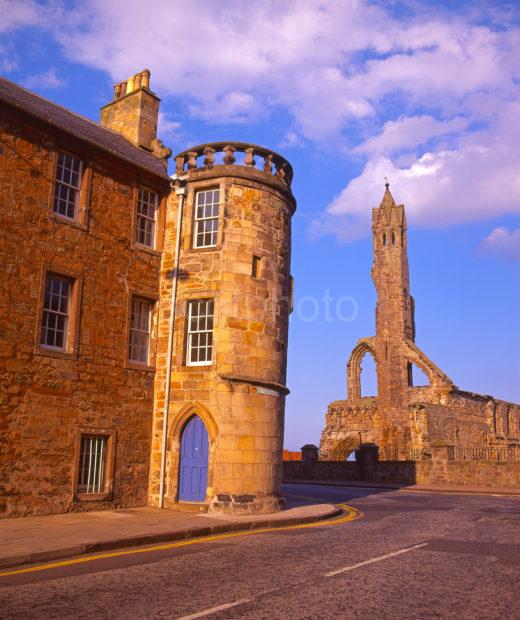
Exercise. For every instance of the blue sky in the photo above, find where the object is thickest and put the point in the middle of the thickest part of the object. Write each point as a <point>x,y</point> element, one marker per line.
<point>350,92</point>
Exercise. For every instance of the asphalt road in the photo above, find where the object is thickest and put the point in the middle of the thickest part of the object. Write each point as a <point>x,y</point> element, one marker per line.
<point>412,555</point>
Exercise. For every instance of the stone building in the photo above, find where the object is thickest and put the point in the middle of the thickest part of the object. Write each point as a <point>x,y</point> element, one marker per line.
<point>404,417</point>
<point>110,394</point>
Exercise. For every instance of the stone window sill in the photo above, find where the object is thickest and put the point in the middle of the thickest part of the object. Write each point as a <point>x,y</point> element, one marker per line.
<point>145,248</point>
<point>65,355</point>
<point>213,248</point>
<point>81,225</point>
<point>92,497</point>
<point>201,368</point>
<point>138,366</point>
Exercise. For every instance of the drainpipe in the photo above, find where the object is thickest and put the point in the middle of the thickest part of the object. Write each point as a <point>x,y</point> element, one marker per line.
<point>179,191</point>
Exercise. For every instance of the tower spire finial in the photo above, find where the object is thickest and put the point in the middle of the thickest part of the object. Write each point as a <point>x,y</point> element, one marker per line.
<point>387,183</point>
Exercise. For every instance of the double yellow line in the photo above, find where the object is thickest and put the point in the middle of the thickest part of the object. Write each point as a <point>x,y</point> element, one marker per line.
<point>351,514</point>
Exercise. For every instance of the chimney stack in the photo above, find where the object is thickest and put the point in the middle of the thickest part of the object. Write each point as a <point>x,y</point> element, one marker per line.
<point>134,111</point>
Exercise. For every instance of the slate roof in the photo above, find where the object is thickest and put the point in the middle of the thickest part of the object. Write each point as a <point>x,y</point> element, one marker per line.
<point>80,127</point>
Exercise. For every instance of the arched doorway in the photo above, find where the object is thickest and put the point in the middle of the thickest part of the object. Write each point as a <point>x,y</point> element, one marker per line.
<point>193,469</point>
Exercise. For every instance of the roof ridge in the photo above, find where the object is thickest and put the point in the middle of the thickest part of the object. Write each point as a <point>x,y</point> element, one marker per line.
<point>58,105</point>
<point>82,127</point>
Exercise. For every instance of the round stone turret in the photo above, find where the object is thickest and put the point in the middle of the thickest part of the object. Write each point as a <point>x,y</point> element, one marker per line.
<point>227,385</point>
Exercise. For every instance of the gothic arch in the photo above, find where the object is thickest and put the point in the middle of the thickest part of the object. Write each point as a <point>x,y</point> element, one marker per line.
<point>190,409</point>
<point>174,437</point>
<point>437,378</point>
<point>365,345</point>
<point>343,448</point>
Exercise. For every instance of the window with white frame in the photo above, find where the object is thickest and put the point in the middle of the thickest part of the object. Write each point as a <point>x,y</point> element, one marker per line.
<point>92,463</point>
<point>146,217</point>
<point>140,322</point>
<point>67,186</point>
<point>56,312</point>
<point>206,218</point>
<point>200,332</point>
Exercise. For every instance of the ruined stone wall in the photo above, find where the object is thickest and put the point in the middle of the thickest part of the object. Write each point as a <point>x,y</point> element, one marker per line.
<point>463,419</point>
<point>241,395</point>
<point>402,417</point>
<point>47,397</point>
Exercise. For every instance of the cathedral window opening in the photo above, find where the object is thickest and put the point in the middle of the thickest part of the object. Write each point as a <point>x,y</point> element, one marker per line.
<point>384,238</point>
<point>368,375</point>
<point>416,376</point>
<point>393,238</point>
<point>206,218</point>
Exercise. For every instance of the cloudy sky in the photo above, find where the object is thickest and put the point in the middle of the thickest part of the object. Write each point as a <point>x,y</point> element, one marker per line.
<point>425,93</point>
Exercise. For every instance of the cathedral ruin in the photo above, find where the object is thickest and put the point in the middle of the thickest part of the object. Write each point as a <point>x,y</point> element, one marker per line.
<point>405,418</point>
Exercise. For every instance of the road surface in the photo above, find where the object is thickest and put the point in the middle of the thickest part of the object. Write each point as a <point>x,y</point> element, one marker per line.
<point>411,555</point>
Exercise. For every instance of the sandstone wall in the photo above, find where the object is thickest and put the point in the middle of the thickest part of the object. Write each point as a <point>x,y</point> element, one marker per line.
<point>47,397</point>
<point>470,473</point>
<point>462,419</point>
<point>241,395</point>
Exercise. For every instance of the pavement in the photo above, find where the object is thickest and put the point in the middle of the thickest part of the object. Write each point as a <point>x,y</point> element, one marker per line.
<point>410,556</point>
<point>445,488</point>
<point>43,538</point>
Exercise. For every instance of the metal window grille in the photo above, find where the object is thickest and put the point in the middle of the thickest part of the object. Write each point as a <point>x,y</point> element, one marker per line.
<point>140,320</point>
<point>56,308</point>
<point>206,218</point>
<point>146,216</point>
<point>68,180</point>
<point>200,332</point>
<point>92,464</point>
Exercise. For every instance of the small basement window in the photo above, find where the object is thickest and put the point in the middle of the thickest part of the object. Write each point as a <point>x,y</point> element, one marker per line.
<point>92,464</point>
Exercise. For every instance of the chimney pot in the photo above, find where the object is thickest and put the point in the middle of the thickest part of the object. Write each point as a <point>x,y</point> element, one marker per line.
<point>123,89</point>
<point>137,81</point>
<point>145,78</point>
<point>130,84</point>
<point>117,91</point>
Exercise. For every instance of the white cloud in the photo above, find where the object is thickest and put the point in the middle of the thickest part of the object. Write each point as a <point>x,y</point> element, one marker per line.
<point>291,139</point>
<point>409,132</point>
<point>477,179</point>
<point>431,92</point>
<point>502,243</point>
<point>18,13</point>
<point>168,128</point>
<point>232,107</point>
<point>44,81</point>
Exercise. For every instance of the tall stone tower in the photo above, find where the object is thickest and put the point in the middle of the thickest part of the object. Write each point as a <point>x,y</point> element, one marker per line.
<point>219,406</point>
<point>389,420</point>
<point>395,306</point>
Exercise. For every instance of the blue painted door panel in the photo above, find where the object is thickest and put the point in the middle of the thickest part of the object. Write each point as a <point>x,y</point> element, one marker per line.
<point>194,461</point>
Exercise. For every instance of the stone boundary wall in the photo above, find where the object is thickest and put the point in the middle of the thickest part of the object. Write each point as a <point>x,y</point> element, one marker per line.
<point>389,472</point>
<point>440,470</point>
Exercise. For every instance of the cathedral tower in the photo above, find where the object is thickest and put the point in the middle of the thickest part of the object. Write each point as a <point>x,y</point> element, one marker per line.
<point>395,305</point>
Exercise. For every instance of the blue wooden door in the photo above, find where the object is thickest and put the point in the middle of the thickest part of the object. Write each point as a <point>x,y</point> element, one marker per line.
<point>194,461</point>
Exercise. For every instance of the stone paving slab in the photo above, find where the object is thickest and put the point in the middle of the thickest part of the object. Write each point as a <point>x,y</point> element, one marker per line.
<point>40,539</point>
<point>452,488</point>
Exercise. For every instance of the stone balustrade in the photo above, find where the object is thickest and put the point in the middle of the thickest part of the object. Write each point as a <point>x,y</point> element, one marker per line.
<point>207,156</point>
